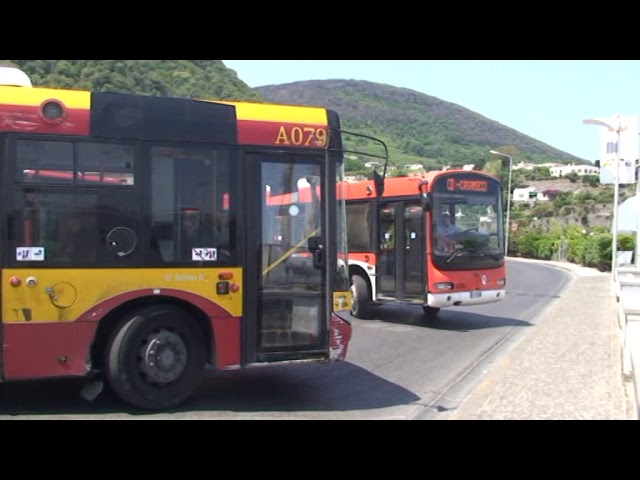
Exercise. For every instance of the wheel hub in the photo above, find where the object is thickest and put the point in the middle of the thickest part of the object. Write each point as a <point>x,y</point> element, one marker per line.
<point>164,357</point>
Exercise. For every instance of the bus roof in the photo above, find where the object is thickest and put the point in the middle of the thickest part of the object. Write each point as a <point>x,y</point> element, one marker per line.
<point>121,115</point>
<point>401,186</point>
<point>13,76</point>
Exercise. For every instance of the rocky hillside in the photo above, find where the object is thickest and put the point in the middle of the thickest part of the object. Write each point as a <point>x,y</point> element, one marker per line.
<point>589,206</point>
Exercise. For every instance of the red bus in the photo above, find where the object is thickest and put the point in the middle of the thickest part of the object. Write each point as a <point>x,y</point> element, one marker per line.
<point>436,240</point>
<point>137,246</point>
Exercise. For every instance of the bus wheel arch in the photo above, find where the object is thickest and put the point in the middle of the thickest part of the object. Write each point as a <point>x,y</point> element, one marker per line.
<point>155,357</point>
<point>361,293</point>
<point>111,320</point>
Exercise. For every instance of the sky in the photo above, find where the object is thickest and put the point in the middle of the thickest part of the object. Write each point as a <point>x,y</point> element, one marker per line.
<point>544,99</point>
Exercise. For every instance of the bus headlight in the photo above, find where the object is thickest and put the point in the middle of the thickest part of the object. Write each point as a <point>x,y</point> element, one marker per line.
<point>443,286</point>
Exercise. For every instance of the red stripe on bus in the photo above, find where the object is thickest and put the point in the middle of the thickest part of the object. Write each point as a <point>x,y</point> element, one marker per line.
<point>24,118</point>
<point>341,332</point>
<point>39,350</point>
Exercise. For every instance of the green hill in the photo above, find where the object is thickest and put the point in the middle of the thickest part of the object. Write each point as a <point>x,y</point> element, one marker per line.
<point>417,127</point>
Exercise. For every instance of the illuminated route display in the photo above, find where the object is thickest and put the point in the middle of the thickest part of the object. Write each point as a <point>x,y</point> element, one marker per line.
<point>454,184</point>
<point>466,182</point>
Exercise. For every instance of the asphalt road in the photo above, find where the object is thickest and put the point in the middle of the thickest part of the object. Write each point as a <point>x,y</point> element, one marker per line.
<point>399,366</point>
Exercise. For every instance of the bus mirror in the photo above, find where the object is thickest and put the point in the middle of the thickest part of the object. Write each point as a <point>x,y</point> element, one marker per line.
<point>378,183</point>
<point>426,201</point>
<point>425,197</point>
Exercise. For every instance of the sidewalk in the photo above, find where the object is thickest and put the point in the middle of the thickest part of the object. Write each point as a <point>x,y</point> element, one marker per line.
<point>569,367</point>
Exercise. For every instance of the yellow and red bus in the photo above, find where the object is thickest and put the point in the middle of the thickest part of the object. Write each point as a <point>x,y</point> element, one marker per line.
<point>137,239</point>
<point>436,240</point>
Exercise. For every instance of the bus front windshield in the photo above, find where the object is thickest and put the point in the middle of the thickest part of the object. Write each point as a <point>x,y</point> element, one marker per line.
<point>467,217</point>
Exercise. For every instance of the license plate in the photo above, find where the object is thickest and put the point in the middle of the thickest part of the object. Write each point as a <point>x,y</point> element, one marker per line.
<point>476,294</point>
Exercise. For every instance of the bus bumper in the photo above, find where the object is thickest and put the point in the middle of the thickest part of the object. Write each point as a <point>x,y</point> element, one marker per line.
<point>457,299</point>
<point>340,337</point>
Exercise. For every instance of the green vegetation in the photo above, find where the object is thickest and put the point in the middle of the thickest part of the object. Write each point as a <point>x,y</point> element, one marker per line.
<point>575,226</point>
<point>588,247</point>
<point>206,79</point>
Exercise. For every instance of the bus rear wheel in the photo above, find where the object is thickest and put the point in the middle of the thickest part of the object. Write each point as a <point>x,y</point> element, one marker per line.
<point>155,359</point>
<point>361,301</point>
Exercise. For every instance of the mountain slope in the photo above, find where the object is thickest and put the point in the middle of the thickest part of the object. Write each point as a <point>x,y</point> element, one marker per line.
<point>418,128</point>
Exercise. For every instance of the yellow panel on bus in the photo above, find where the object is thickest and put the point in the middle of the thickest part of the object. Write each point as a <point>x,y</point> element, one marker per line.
<point>67,295</point>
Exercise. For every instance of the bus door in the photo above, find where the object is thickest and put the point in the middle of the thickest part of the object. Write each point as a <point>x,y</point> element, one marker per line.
<point>287,225</point>
<point>401,267</point>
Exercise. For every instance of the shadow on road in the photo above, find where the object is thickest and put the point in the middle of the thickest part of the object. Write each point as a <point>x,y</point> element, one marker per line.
<point>339,386</point>
<point>454,319</point>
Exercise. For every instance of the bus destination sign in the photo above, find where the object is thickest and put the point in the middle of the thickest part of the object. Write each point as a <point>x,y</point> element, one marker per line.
<point>455,184</point>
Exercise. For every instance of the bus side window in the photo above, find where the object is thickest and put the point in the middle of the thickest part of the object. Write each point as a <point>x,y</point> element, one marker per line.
<point>161,248</point>
<point>75,238</point>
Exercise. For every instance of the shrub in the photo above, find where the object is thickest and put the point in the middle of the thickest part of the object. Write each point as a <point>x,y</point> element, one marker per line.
<point>626,242</point>
<point>572,177</point>
<point>545,247</point>
<point>543,210</point>
<point>527,244</point>
<point>565,198</point>
<point>597,251</point>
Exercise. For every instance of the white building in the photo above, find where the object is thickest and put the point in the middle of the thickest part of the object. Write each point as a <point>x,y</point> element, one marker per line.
<point>528,194</point>
<point>524,166</point>
<point>581,170</point>
<point>533,166</point>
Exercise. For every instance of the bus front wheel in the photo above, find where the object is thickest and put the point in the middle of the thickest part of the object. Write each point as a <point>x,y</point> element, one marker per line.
<point>361,302</point>
<point>155,359</point>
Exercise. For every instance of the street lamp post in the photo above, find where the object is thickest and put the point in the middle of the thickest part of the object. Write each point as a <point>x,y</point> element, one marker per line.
<point>508,227</point>
<point>616,190</point>
<point>637,252</point>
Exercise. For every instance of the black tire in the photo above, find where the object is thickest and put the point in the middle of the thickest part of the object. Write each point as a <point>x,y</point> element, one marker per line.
<point>133,368</point>
<point>430,312</point>
<point>361,301</point>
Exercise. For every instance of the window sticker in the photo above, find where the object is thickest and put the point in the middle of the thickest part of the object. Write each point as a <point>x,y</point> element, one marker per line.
<point>30,254</point>
<point>204,254</point>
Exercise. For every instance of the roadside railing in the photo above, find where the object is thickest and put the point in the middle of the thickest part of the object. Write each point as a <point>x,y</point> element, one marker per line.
<point>627,290</point>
